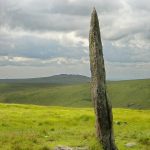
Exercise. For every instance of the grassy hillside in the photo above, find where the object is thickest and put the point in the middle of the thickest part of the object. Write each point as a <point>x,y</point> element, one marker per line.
<point>131,94</point>
<point>25,127</point>
<point>46,94</point>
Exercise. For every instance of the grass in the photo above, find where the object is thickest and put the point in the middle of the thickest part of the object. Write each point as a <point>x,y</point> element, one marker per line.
<point>124,94</point>
<point>29,127</point>
<point>131,94</point>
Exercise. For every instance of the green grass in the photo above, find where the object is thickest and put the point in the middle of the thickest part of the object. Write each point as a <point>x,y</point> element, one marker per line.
<point>125,94</point>
<point>131,93</point>
<point>28,127</point>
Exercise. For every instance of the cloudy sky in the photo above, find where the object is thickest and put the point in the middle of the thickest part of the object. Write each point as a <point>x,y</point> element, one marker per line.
<point>47,37</point>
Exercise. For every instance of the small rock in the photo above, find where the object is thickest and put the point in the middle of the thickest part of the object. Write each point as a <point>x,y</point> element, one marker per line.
<point>132,144</point>
<point>63,148</point>
<point>81,148</point>
<point>69,148</point>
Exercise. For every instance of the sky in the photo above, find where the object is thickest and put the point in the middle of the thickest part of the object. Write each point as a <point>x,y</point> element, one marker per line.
<point>46,37</point>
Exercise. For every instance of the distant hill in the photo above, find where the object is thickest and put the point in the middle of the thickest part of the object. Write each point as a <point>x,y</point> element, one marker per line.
<point>56,79</point>
<point>123,94</point>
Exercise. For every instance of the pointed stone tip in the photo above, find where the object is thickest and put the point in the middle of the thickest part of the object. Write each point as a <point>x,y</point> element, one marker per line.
<point>94,19</point>
<point>94,9</point>
<point>94,12</point>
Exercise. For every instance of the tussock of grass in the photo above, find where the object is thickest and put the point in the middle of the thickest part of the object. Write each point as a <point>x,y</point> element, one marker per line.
<point>25,127</point>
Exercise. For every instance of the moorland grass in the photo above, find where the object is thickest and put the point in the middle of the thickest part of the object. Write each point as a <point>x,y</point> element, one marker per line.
<point>123,94</point>
<point>29,127</point>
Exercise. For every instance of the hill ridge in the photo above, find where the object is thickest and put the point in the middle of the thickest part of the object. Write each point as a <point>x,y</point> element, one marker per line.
<point>54,79</point>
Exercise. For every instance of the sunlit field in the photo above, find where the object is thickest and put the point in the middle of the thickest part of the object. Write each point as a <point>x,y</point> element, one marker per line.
<point>29,127</point>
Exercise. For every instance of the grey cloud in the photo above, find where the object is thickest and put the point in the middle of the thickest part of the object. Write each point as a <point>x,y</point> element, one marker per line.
<point>83,7</point>
<point>51,15</point>
<point>127,70</point>
<point>125,28</point>
<point>40,22</point>
<point>66,15</point>
<point>122,28</point>
<point>143,5</point>
<point>34,47</point>
<point>125,54</point>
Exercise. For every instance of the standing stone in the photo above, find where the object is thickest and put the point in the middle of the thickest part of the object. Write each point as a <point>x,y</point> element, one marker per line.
<point>103,110</point>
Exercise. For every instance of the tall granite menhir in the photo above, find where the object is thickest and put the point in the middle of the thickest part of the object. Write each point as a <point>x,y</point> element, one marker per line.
<point>103,110</point>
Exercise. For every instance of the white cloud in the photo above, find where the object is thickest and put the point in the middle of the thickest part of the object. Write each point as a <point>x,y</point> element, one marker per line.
<point>25,61</point>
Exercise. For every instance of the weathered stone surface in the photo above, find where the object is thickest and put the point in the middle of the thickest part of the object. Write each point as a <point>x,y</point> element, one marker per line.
<point>101,103</point>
